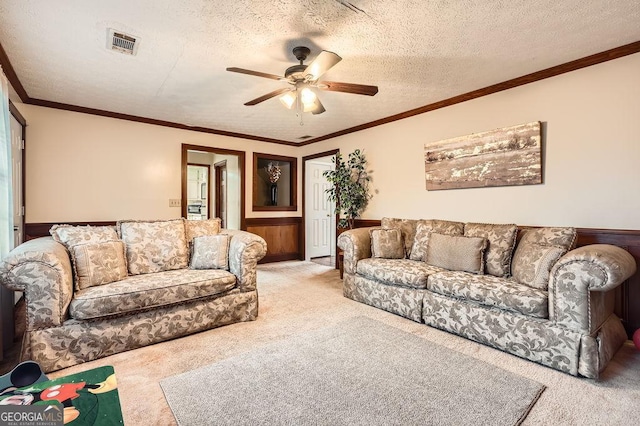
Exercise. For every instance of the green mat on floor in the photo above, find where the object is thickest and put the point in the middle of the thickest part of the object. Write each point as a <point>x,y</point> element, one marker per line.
<point>87,398</point>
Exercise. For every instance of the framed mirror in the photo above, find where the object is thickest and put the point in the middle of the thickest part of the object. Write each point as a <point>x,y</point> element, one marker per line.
<point>274,182</point>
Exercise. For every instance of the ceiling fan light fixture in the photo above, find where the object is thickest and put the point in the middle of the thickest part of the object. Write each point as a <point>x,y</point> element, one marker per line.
<point>288,99</point>
<point>308,97</point>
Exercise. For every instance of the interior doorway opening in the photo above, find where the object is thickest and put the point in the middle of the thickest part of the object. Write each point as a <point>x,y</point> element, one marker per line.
<point>213,185</point>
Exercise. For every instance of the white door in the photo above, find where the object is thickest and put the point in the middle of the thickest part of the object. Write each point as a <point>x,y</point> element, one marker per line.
<point>16,159</point>
<point>318,211</point>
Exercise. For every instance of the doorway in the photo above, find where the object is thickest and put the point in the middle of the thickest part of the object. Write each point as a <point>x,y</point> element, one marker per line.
<point>201,184</point>
<point>318,212</point>
<point>198,185</point>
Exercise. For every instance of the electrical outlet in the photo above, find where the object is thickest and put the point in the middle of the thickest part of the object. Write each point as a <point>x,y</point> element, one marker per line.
<point>174,202</point>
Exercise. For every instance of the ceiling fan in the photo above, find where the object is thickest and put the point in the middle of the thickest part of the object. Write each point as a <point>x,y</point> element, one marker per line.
<point>304,79</point>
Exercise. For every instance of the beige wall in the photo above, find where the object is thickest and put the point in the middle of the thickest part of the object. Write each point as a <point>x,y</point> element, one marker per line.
<point>591,165</point>
<point>86,168</point>
<point>83,167</point>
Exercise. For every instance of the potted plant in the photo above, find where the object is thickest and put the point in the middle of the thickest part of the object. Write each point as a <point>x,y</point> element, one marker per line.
<point>350,189</point>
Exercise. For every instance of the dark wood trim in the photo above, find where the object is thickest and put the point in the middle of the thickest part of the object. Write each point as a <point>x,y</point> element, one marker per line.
<point>12,76</point>
<point>16,114</point>
<point>577,64</point>
<point>303,229</point>
<point>364,223</point>
<point>21,120</point>
<point>222,151</point>
<point>293,182</point>
<point>41,229</point>
<point>217,169</point>
<point>275,222</point>
<point>587,61</point>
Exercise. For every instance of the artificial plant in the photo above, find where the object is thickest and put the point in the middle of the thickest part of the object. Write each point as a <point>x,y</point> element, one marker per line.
<point>350,187</point>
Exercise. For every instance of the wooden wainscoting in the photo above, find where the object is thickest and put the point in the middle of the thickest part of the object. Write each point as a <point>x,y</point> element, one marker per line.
<point>628,294</point>
<point>282,235</point>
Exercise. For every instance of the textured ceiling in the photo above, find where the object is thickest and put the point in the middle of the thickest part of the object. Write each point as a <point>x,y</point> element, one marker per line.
<point>416,52</point>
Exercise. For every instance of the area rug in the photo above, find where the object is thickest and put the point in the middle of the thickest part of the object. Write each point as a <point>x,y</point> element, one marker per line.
<point>357,372</point>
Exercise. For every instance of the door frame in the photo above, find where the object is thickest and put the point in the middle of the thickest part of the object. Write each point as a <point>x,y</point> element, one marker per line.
<point>217,167</point>
<point>303,238</point>
<point>241,166</point>
<point>16,114</point>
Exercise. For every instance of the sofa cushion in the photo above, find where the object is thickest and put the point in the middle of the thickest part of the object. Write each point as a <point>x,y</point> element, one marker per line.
<point>70,235</point>
<point>561,237</point>
<point>501,240</point>
<point>406,226</point>
<point>98,263</point>
<point>456,253</point>
<point>154,246</point>
<point>400,272</point>
<point>532,264</point>
<point>425,228</point>
<point>198,228</point>
<point>387,244</point>
<point>531,260</point>
<point>210,252</point>
<point>491,291</point>
<point>147,291</point>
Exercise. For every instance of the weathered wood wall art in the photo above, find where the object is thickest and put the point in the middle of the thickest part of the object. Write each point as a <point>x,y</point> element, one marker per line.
<point>501,157</point>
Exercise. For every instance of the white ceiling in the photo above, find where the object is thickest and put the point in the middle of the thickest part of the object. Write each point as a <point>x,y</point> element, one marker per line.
<point>416,52</point>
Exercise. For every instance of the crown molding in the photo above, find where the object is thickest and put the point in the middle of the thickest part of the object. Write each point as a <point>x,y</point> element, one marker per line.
<point>577,64</point>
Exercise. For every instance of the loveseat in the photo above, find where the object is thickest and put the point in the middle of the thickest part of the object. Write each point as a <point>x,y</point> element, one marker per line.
<point>93,291</point>
<point>528,292</point>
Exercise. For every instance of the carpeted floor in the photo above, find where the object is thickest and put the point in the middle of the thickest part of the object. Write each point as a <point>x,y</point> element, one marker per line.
<point>296,297</point>
<point>358,372</point>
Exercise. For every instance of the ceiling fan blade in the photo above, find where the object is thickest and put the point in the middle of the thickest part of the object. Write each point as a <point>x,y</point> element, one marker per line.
<point>316,108</point>
<point>321,64</point>
<point>356,89</point>
<point>256,73</point>
<point>267,96</point>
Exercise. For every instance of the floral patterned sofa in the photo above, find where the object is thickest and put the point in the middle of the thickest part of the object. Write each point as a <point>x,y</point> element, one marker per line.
<point>93,291</point>
<point>527,292</point>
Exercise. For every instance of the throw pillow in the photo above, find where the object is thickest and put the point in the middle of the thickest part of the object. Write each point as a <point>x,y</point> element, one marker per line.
<point>501,242</point>
<point>98,263</point>
<point>561,237</point>
<point>406,226</point>
<point>70,235</point>
<point>198,228</point>
<point>154,246</point>
<point>210,252</point>
<point>387,244</point>
<point>425,228</point>
<point>456,253</point>
<point>532,264</point>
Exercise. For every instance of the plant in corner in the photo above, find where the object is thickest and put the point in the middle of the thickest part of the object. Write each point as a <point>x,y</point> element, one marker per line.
<point>350,189</point>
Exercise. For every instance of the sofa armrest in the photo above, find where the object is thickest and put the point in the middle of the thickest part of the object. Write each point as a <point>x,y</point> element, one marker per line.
<point>356,244</point>
<point>580,285</point>
<point>245,250</point>
<point>42,270</point>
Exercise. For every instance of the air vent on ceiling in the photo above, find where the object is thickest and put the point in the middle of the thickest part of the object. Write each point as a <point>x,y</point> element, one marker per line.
<point>305,137</point>
<point>121,42</point>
